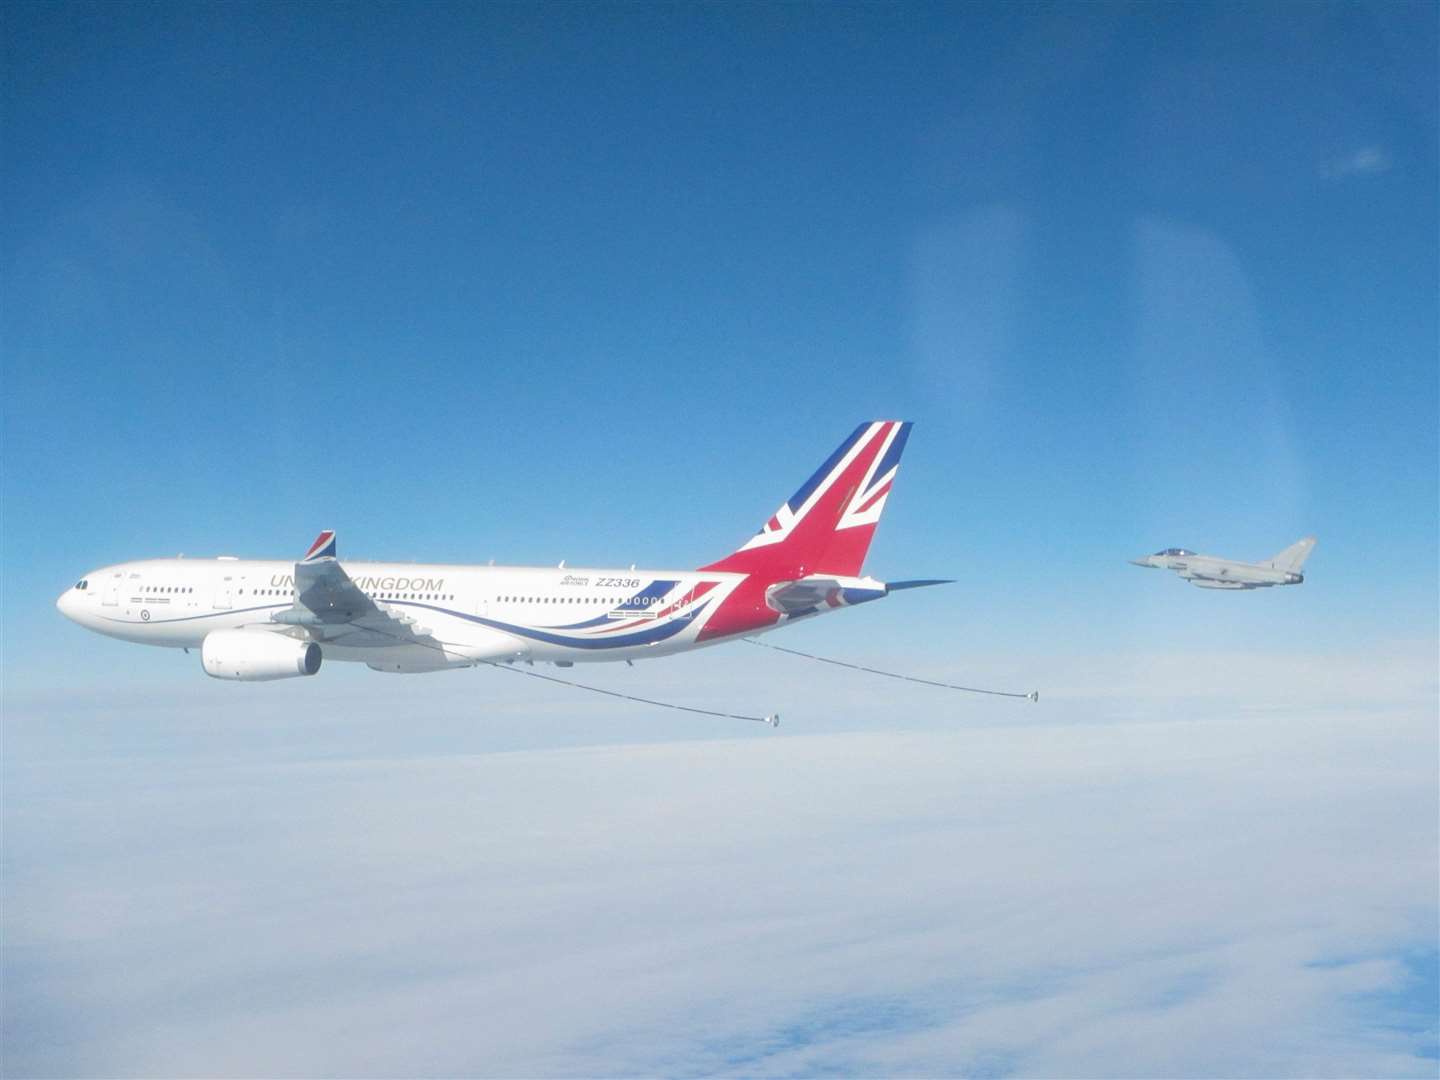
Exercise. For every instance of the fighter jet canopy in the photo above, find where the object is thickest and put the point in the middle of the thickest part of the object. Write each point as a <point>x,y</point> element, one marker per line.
<point>1174,551</point>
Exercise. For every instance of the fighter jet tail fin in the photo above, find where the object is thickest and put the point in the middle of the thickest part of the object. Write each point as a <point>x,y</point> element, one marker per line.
<point>1294,556</point>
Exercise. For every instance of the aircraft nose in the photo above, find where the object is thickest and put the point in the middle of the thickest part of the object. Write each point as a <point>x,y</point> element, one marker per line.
<point>65,603</point>
<point>1144,560</point>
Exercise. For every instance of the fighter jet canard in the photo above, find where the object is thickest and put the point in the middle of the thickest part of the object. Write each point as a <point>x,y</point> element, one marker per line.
<point>1211,572</point>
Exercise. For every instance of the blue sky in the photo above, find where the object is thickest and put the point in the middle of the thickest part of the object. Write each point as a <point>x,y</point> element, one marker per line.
<point>604,283</point>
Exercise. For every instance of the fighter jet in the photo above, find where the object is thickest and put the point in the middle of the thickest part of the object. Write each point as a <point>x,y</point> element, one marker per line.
<point>1209,572</point>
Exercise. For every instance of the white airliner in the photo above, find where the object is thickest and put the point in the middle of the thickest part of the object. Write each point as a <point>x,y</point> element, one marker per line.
<point>256,620</point>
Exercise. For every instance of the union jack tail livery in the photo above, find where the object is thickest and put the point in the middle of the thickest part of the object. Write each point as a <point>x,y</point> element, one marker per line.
<point>826,526</point>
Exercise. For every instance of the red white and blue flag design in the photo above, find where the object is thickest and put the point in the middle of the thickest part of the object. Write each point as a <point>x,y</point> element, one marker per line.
<point>845,495</point>
<point>824,528</point>
<point>322,548</point>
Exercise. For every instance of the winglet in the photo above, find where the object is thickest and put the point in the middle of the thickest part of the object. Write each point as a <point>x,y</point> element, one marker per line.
<point>322,548</point>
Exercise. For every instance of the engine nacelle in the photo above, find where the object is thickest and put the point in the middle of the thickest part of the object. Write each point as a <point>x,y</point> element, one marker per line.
<point>257,655</point>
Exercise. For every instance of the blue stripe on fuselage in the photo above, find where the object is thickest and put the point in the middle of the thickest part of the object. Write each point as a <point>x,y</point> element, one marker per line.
<point>659,631</point>
<point>648,636</point>
<point>632,606</point>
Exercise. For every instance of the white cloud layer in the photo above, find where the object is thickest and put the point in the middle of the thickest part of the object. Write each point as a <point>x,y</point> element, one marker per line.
<point>1229,895</point>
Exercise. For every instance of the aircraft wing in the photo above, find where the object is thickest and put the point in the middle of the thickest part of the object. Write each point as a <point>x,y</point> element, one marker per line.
<point>332,608</point>
<point>1209,571</point>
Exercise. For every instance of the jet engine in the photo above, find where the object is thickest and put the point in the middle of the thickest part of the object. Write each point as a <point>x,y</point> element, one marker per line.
<point>257,656</point>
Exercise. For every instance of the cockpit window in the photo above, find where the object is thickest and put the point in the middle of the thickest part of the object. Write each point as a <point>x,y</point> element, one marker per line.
<point>1174,551</point>
<point>83,583</point>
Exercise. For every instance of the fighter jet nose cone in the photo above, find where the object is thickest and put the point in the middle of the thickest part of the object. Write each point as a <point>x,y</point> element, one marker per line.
<point>1140,562</point>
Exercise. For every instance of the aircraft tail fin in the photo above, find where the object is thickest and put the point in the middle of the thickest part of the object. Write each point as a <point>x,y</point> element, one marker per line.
<point>1294,556</point>
<point>827,525</point>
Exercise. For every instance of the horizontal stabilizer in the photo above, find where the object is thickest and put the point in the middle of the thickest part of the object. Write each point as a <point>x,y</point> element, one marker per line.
<point>810,593</point>
<point>919,583</point>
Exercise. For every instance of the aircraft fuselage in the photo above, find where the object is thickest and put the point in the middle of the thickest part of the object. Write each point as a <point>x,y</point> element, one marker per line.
<point>477,612</point>
<point>1210,572</point>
